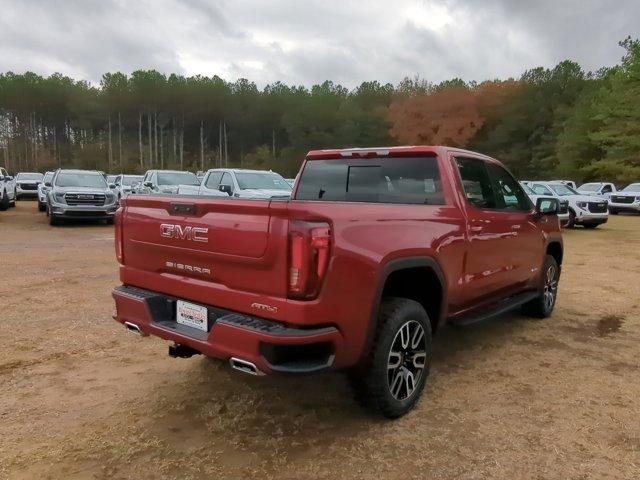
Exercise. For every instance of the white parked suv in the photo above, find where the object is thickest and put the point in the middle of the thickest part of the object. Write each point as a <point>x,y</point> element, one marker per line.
<point>625,200</point>
<point>597,189</point>
<point>584,210</point>
<point>27,184</point>
<point>240,183</point>
<point>7,190</point>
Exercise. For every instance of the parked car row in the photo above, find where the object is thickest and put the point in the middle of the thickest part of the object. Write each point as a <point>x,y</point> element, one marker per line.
<point>588,205</point>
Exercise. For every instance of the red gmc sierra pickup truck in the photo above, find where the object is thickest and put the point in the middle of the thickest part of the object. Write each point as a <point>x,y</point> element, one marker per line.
<point>375,250</point>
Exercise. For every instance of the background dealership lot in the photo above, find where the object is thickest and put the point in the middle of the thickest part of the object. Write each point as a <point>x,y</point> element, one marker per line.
<point>509,398</point>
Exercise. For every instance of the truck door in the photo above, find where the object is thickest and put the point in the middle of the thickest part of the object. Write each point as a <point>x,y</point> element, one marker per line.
<point>528,241</point>
<point>495,234</point>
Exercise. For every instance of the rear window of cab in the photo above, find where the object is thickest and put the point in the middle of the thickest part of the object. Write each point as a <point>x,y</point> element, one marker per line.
<point>372,180</point>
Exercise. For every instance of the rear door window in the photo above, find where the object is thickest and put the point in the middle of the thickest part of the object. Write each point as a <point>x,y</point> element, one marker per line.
<point>373,180</point>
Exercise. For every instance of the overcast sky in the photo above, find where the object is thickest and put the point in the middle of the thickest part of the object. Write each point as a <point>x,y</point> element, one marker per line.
<point>308,41</point>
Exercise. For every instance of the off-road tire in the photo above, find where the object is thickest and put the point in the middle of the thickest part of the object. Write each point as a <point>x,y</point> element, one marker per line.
<point>4,202</point>
<point>540,307</point>
<point>371,381</point>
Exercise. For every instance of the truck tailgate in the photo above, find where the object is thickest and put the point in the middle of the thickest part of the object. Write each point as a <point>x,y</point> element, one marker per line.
<point>227,244</point>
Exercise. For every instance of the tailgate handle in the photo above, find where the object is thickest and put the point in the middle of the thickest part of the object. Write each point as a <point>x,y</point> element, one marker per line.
<point>183,209</point>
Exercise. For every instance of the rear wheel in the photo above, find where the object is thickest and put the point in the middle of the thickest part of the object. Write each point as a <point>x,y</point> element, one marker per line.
<point>394,375</point>
<point>542,306</point>
<point>15,197</point>
<point>613,211</point>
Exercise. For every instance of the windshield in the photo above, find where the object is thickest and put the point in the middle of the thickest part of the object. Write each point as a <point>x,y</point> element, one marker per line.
<point>67,179</point>
<point>177,178</point>
<point>563,190</point>
<point>29,176</point>
<point>590,187</point>
<point>129,180</point>
<point>527,189</point>
<point>634,187</point>
<point>266,180</point>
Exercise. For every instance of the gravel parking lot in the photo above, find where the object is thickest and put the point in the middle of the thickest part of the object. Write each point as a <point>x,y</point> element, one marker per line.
<point>508,398</point>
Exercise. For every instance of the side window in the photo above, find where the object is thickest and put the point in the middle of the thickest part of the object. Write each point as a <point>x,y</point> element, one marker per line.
<point>226,180</point>
<point>476,182</point>
<point>214,180</point>
<point>510,195</point>
<point>541,190</point>
<point>607,189</point>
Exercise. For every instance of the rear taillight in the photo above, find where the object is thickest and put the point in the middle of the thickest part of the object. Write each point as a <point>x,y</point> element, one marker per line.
<point>309,244</point>
<point>118,235</point>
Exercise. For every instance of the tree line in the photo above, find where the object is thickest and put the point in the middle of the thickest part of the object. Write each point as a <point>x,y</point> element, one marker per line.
<point>549,123</point>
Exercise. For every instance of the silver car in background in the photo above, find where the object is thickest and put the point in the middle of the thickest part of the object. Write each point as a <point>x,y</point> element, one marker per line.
<point>166,181</point>
<point>80,194</point>
<point>27,184</point>
<point>125,183</point>
<point>240,183</point>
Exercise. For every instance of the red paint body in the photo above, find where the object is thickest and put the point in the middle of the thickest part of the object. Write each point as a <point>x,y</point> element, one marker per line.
<point>483,256</point>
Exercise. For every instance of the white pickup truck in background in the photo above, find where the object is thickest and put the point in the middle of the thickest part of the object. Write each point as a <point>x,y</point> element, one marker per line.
<point>597,189</point>
<point>239,183</point>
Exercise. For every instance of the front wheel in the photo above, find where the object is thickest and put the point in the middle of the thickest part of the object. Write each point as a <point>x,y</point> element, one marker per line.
<point>542,306</point>
<point>4,202</point>
<point>393,376</point>
<point>572,219</point>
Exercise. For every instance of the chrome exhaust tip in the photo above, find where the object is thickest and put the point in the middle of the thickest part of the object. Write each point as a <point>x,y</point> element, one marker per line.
<point>132,327</point>
<point>244,366</point>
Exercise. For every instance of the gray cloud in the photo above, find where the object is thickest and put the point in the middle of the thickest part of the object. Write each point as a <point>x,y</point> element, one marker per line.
<point>308,42</point>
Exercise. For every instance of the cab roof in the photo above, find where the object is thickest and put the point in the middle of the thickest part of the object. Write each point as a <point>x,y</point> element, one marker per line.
<point>399,151</point>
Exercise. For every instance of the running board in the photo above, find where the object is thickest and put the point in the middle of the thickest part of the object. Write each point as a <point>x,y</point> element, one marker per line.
<point>499,308</point>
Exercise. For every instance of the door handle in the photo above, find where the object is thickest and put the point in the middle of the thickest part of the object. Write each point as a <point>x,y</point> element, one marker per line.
<point>477,229</point>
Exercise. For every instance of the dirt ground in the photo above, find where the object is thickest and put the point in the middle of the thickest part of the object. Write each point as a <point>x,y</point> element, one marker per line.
<point>509,398</point>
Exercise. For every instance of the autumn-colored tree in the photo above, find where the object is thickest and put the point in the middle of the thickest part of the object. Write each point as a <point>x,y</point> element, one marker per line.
<point>448,116</point>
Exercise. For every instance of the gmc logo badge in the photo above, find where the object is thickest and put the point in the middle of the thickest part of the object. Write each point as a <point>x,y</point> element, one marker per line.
<point>194,234</point>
